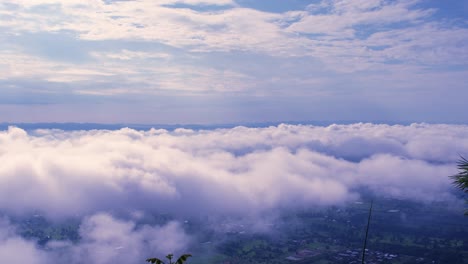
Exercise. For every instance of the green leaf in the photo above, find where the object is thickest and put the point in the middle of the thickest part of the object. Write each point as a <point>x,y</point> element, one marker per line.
<point>155,261</point>
<point>183,258</point>
<point>460,180</point>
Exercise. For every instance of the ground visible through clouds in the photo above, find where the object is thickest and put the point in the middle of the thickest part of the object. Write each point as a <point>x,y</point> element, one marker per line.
<point>232,195</point>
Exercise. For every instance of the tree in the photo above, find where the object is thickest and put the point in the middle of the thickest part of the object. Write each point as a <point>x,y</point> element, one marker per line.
<point>181,259</point>
<point>460,180</point>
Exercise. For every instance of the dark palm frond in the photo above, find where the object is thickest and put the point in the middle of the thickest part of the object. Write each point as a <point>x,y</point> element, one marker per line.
<point>460,180</point>
<point>183,258</point>
<point>155,261</point>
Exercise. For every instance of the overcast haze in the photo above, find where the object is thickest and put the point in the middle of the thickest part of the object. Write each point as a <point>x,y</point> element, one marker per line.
<point>212,61</point>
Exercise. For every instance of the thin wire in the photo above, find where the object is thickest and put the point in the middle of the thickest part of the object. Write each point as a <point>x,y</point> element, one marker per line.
<point>367,232</point>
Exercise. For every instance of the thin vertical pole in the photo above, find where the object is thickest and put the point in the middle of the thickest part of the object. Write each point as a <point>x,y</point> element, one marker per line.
<point>367,232</point>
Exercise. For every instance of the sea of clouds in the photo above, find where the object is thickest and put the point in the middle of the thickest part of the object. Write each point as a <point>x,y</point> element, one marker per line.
<point>100,176</point>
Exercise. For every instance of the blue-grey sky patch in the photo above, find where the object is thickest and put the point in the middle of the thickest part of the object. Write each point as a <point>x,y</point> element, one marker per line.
<point>276,6</point>
<point>200,8</point>
<point>61,46</point>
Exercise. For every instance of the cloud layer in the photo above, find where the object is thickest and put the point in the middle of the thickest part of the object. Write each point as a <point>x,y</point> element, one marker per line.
<point>110,180</point>
<point>225,170</point>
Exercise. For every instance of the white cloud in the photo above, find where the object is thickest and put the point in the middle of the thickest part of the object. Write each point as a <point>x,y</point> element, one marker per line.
<point>240,171</point>
<point>235,170</point>
<point>104,240</point>
<point>125,72</point>
<point>231,29</point>
<point>200,2</point>
<point>16,65</point>
<point>129,55</point>
<point>377,38</point>
<point>344,16</point>
<point>15,249</point>
<point>430,44</point>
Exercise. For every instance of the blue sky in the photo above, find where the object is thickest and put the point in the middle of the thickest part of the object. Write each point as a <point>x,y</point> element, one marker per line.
<point>226,61</point>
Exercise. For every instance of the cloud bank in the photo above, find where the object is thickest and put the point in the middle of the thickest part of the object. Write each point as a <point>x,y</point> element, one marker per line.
<point>111,179</point>
<point>234,170</point>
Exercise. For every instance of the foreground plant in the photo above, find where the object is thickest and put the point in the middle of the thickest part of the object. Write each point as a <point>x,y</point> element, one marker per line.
<point>460,180</point>
<point>181,259</point>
